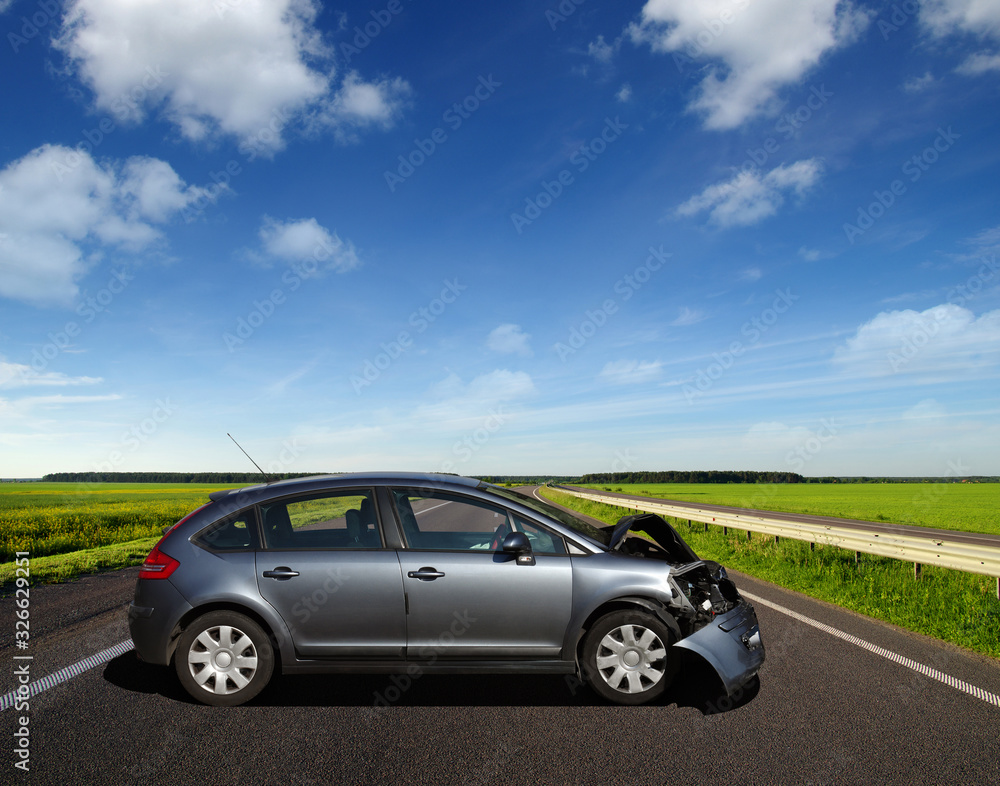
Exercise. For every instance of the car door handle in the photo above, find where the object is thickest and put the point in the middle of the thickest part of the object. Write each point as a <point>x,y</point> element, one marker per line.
<point>425,574</point>
<point>281,573</point>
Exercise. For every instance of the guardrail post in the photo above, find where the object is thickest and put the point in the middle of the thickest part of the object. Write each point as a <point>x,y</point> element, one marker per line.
<point>916,570</point>
<point>857,557</point>
<point>998,587</point>
<point>706,526</point>
<point>749,533</point>
<point>775,540</point>
<point>812,547</point>
<point>725,530</point>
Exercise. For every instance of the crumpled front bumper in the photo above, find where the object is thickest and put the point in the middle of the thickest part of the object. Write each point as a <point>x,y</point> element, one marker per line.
<point>731,644</point>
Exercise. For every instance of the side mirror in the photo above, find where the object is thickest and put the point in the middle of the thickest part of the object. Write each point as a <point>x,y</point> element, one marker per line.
<point>517,543</point>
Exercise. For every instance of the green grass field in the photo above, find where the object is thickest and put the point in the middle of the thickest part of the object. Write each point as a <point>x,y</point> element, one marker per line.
<point>47,519</point>
<point>958,607</point>
<point>970,507</point>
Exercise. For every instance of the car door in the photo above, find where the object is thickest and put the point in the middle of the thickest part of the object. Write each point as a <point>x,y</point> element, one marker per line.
<point>325,570</point>
<point>468,600</point>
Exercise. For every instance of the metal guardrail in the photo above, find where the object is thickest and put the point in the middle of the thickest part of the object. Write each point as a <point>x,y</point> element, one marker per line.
<point>919,550</point>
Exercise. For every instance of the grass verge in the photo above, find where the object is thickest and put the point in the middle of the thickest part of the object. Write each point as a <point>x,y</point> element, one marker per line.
<point>956,607</point>
<point>66,567</point>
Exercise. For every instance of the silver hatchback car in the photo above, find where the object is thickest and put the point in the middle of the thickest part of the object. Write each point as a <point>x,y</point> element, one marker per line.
<point>410,573</point>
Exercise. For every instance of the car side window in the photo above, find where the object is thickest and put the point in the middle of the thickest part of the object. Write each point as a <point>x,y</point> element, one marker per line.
<point>233,533</point>
<point>445,522</point>
<point>332,520</point>
<point>542,540</point>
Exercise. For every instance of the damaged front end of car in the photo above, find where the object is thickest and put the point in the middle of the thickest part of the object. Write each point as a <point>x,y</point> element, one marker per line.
<point>715,621</point>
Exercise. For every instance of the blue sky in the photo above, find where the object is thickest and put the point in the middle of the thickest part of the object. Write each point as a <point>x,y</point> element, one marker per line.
<point>507,238</point>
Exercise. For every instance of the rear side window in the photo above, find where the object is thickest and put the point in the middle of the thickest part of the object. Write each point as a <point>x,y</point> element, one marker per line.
<point>233,533</point>
<point>331,520</point>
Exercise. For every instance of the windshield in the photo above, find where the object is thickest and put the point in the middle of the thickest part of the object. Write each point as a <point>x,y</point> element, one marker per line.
<point>564,517</point>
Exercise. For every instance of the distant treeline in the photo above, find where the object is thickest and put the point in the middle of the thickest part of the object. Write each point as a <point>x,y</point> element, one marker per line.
<point>529,480</point>
<point>167,477</point>
<point>696,476</point>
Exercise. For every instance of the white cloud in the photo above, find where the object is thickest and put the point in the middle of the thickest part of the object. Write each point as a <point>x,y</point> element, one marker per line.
<point>232,68</point>
<point>945,17</point>
<point>749,197</point>
<point>918,84</point>
<point>980,63</point>
<point>16,375</point>
<point>750,275</point>
<point>630,372</point>
<point>688,316</point>
<point>501,385</point>
<point>509,339</point>
<point>944,338</point>
<point>57,205</point>
<point>456,404</point>
<point>359,104</point>
<point>980,18</point>
<point>304,240</point>
<point>763,45</point>
<point>625,93</point>
<point>602,51</point>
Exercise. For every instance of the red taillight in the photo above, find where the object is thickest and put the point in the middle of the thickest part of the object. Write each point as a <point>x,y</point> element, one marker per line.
<point>158,565</point>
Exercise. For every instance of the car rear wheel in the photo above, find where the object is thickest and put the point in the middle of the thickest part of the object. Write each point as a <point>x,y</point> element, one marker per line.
<point>627,657</point>
<point>224,659</point>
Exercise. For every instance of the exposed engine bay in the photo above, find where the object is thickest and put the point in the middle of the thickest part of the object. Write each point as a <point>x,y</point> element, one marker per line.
<point>701,589</point>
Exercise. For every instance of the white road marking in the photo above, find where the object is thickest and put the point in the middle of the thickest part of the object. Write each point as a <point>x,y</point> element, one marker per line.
<point>902,660</point>
<point>33,689</point>
<point>428,510</point>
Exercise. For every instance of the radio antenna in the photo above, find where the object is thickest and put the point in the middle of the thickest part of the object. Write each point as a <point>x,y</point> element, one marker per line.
<point>262,472</point>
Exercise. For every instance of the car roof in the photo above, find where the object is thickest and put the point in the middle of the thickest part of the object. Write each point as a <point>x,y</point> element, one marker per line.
<point>277,488</point>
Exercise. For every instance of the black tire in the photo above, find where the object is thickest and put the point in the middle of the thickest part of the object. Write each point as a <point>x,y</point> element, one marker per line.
<point>224,659</point>
<point>627,657</point>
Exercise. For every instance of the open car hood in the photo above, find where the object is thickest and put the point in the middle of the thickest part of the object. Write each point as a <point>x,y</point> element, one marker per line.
<point>665,536</point>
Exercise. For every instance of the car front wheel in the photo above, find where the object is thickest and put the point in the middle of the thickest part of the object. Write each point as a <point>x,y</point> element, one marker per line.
<point>224,659</point>
<point>627,657</point>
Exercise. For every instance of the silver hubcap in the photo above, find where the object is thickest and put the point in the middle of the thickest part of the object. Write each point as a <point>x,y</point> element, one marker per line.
<point>631,659</point>
<point>222,659</point>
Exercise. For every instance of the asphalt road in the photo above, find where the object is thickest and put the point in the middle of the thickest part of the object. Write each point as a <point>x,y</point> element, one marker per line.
<point>825,710</point>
